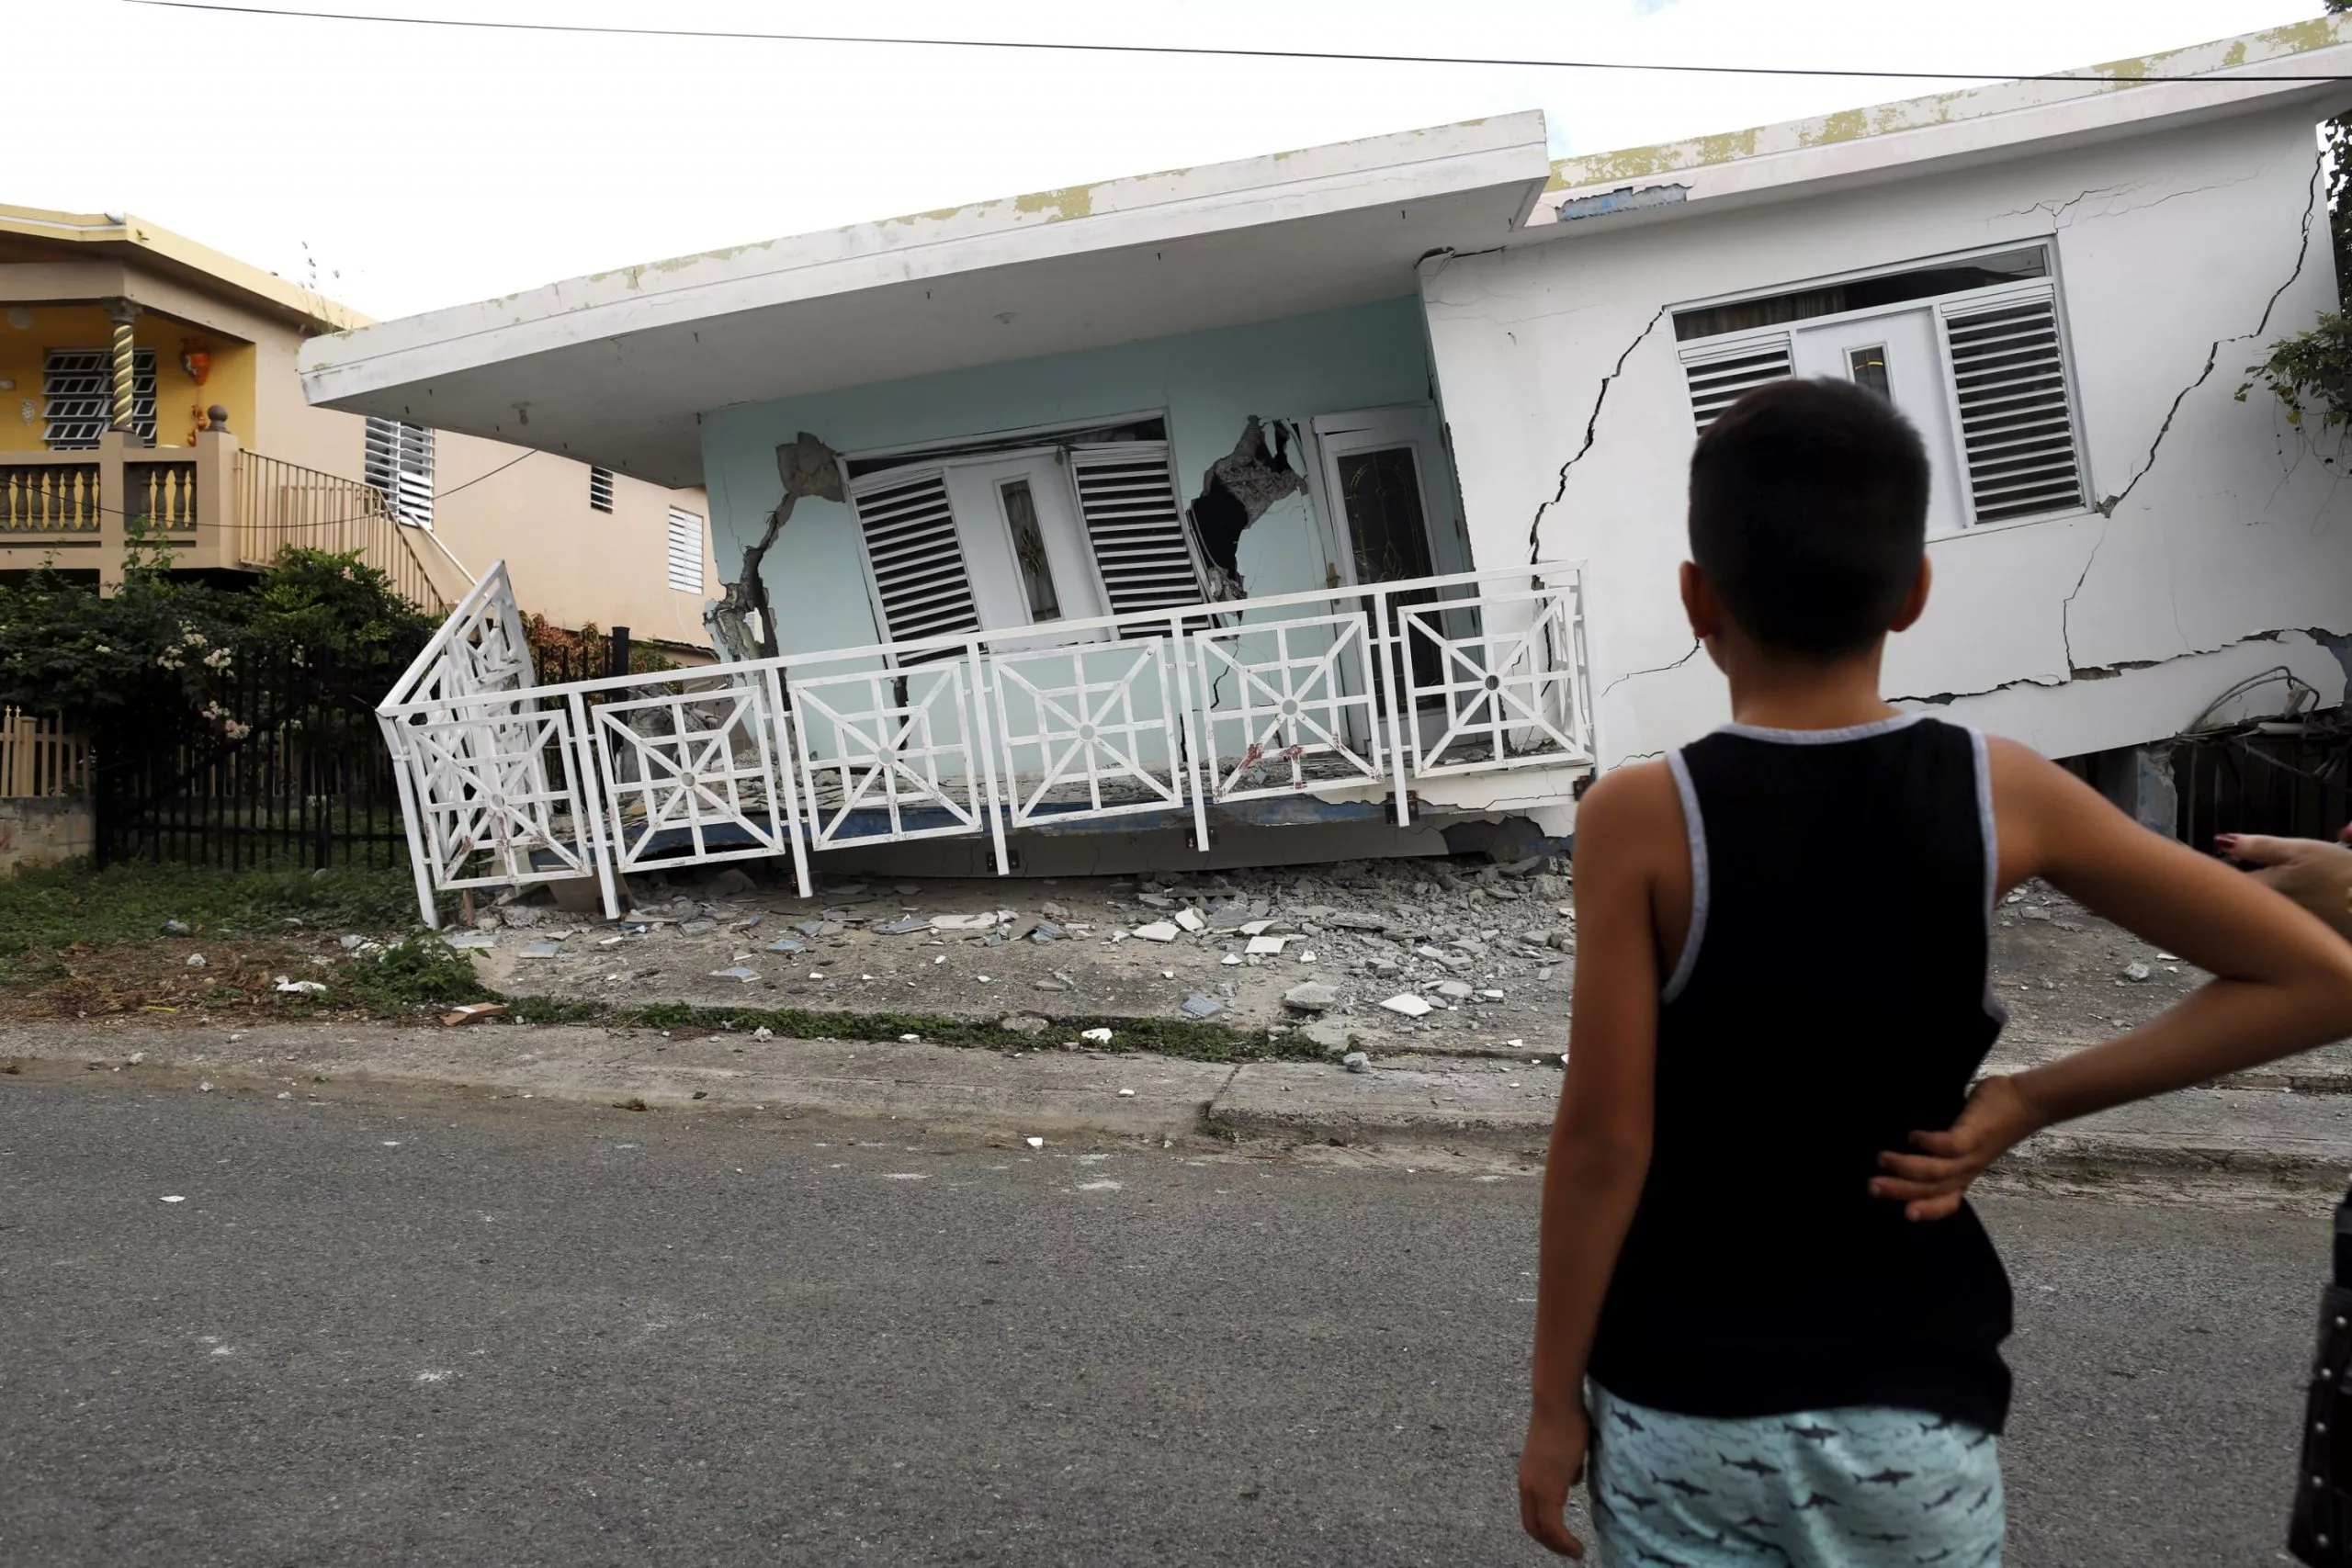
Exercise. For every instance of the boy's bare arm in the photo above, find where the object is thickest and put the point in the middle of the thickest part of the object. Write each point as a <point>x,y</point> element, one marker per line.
<point>1601,1137</point>
<point>2282,982</point>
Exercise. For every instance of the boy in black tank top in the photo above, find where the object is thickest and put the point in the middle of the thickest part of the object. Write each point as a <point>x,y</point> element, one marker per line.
<point>1766,1315</point>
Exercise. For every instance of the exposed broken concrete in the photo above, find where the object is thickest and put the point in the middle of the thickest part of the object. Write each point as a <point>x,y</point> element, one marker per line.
<point>1239,488</point>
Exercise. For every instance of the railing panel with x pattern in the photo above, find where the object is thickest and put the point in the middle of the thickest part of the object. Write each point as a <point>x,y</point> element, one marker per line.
<point>1356,691</point>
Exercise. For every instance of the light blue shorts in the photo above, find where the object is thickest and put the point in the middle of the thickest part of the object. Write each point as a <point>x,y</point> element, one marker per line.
<point>1864,1487</point>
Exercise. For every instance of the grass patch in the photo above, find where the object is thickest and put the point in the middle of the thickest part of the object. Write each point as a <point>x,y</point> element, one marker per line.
<point>422,971</point>
<point>48,907</point>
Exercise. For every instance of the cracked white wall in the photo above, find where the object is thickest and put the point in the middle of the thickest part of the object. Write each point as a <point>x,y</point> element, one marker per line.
<point>2170,250</point>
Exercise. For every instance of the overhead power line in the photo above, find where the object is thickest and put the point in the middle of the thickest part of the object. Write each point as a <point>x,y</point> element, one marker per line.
<point>1208,51</point>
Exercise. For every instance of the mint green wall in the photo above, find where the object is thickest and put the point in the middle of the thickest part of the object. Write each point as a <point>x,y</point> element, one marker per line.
<point>1364,356</point>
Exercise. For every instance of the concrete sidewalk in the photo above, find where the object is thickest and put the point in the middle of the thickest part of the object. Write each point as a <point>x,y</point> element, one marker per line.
<point>1493,1106</point>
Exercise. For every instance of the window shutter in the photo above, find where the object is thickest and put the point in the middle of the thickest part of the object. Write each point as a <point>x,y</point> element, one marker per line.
<point>400,464</point>
<point>1717,381</point>
<point>600,488</point>
<point>77,397</point>
<point>919,572</point>
<point>685,551</point>
<point>2017,421</point>
<point>1135,525</point>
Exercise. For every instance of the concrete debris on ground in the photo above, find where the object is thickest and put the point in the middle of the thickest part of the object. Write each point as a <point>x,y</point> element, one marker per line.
<point>1428,959</point>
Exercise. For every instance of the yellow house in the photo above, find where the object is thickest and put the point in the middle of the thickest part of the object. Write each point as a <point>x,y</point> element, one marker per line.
<point>148,393</point>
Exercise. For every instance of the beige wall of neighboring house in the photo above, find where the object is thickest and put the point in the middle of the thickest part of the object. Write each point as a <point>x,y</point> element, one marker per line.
<point>200,312</point>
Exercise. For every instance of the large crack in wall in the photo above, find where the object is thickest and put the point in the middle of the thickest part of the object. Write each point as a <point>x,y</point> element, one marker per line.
<point>1591,433</point>
<point>2106,508</point>
<point>1239,489</point>
<point>742,623</point>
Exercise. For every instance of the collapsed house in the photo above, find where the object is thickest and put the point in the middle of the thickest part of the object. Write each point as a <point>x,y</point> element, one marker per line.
<point>1327,503</point>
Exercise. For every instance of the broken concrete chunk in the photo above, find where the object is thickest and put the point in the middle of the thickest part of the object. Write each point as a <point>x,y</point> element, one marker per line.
<point>1312,997</point>
<point>1159,931</point>
<point>193,961</point>
<point>1053,911</point>
<point>1453,991</point>
<point>1408,1004</point>
<point>1256,928</point>
<point>522,916</point>
<point>1347,920</point>
<point>1157,900</point>
<point>1190,921</point>
<point>788,944</point>
<point>985,920</point>
<point>473,939</point>
<point>1023,1023</point>
<point>905,926</point>
<point>1199,1006</point>
<point>697,928</point>
<point>1263,945</point>
<point>1047,932</point>
<point>1356,1062</point>
<point>746,924</point>
<point>2136,971</point>
<point>736,972</point>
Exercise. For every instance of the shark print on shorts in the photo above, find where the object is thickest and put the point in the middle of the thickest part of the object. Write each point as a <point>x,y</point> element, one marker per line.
<point>1864,1487</point>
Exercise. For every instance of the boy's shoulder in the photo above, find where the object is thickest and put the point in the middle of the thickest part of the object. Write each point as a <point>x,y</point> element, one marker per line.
<point>1632,805</point>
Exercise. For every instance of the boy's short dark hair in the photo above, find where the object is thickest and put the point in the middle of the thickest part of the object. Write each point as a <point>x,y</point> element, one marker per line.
<point>1809,514</point>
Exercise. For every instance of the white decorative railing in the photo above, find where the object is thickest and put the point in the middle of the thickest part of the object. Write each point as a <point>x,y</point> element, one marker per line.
<point>1164,712</point>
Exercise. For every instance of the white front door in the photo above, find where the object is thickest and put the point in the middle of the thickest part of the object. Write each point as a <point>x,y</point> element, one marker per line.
<point>1022,542</point>
<point>1900,356</point>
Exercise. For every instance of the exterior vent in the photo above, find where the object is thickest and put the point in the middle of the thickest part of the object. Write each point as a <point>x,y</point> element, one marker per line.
<point>77,397</point>
<point>685,551</point>
<point>600,489</point>
<point>2017,421</point>
<point>400,464</point>
<point>919,581</point>
<point>1135,525</point>
<point>1716,383</point>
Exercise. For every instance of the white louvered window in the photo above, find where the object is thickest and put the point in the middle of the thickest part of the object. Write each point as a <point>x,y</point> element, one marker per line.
<point>77,397</point>
<point>685,551</point>
<point>400,464</point>
<point>920,584</point>
<point>2017,421</point>
<point>600,489</point>
<point>1135,525</point>
<point>1971,348</point>
<point>1718,380</point>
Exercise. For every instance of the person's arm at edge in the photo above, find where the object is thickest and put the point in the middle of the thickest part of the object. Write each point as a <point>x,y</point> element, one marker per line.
<point>1601,1137</point>
<point>2282,982</point>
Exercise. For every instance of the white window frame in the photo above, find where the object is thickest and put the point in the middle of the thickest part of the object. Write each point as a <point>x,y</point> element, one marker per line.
<point>1698,350</point>
<point>414,512</point>
<point>698,524</point>
<point>1022,441</point>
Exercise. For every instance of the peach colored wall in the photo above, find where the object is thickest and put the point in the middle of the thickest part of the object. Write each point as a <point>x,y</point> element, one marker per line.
<point>568,561</point>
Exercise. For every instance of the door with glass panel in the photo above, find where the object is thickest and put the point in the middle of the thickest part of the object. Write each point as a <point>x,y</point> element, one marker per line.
<point>1899,355</point>
<point>1389,517</point>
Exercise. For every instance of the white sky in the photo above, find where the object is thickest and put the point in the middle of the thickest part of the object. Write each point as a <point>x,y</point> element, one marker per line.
<point>416,168</point>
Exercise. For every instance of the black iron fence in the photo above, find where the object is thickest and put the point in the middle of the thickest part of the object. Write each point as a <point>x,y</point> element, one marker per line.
<point>2294,783</point>
<point>274,759</point>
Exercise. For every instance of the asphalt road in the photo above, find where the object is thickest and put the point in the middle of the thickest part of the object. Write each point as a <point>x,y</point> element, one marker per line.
<point>416,1332</point>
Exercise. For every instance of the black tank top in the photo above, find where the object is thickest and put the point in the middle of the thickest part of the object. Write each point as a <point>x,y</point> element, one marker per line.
<point>1832,996</point>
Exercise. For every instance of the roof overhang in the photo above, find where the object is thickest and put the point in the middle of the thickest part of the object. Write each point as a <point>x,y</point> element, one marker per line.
<point>38,247</point>
<point>616,368</point>
<point>1949,130</point>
